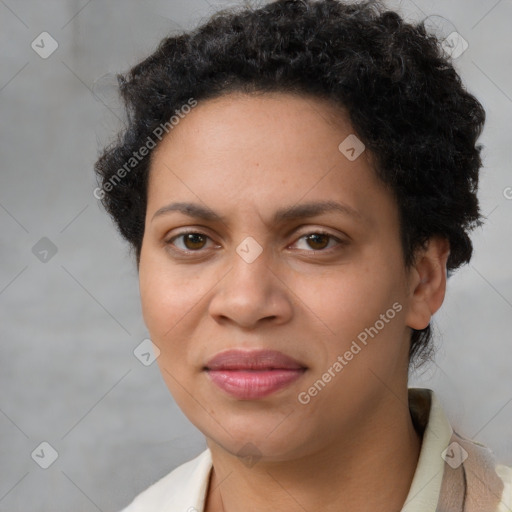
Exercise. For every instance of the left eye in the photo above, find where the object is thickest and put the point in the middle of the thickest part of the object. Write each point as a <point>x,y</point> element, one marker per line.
<point>319,240</point>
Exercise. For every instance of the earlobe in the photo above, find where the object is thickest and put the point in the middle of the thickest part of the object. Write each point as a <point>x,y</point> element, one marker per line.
<point>427,283</point>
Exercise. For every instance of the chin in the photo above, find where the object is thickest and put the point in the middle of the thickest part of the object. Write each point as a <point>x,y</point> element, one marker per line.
<point>271,440</point>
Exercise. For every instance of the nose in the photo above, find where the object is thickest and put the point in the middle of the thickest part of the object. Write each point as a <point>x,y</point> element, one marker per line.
<point>252,293</point>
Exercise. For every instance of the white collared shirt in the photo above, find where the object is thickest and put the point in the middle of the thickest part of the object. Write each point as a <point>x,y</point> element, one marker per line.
<point>184,489</point>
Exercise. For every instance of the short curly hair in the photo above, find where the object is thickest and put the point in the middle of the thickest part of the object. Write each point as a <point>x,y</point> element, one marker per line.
<point>403,96</point>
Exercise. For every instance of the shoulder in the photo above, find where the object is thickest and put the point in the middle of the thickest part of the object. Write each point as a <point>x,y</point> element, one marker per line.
<point>185,484</point>
<point>505,473</point>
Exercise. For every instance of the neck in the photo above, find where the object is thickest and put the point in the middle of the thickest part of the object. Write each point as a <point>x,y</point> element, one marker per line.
<point>370,468</point>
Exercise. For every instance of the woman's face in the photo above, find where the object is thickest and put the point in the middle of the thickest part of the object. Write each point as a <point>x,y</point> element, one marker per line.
<point>326,288</point>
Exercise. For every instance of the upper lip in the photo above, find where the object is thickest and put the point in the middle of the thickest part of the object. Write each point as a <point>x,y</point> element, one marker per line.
<point>236,359</point>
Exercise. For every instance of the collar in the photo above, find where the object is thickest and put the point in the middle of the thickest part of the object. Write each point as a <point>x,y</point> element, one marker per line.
<point>428,417</point>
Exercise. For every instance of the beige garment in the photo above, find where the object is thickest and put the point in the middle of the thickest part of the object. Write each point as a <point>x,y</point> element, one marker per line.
<point>470,482</point>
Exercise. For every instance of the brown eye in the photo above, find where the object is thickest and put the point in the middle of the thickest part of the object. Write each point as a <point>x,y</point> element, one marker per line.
<point>318,240</point>
<point>194,241</point>
<point>191,241</point>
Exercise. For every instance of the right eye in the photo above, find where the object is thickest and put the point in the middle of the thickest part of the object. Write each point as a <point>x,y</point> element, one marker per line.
<point>192,241</point>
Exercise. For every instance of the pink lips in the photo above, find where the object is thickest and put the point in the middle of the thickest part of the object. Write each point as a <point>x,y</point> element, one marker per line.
<point>253,374</point>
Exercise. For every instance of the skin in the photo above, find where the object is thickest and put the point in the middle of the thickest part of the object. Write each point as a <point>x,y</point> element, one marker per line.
<point>244,157</point>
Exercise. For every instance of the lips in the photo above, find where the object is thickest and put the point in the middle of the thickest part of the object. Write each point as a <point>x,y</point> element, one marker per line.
<point>249,375</point>
<point>252,360</point>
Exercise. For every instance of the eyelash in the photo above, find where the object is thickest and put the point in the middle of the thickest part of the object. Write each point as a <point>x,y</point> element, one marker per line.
<point>316,232</point>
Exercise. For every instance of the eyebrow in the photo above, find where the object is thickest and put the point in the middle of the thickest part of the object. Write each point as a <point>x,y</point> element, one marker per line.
<point>298,211</point>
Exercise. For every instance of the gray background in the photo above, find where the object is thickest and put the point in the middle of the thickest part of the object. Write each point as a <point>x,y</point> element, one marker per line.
<point>69,325</point>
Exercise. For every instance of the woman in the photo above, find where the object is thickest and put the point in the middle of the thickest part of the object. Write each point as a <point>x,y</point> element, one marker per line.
<point>297,181</point>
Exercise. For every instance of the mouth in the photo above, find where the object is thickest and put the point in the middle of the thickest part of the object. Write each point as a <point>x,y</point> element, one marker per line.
<point>250,375</point>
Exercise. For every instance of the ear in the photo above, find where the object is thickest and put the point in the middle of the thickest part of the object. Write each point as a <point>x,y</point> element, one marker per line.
<point>427,282</point>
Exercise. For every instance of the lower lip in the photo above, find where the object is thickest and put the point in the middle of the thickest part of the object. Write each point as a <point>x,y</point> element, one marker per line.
<point>253,384</point>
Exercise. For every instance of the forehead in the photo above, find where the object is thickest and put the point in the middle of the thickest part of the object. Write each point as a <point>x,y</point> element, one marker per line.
<point>266,149</point>
<point>242,120</point>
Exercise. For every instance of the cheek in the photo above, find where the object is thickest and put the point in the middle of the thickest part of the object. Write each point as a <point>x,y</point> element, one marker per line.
<point>160,289</point>
<point>351,297</point>
<point>171,302</point>
<point>159,294</point>
<point>361,304</point>
<point>164,306</point>
<point>162,311</point>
